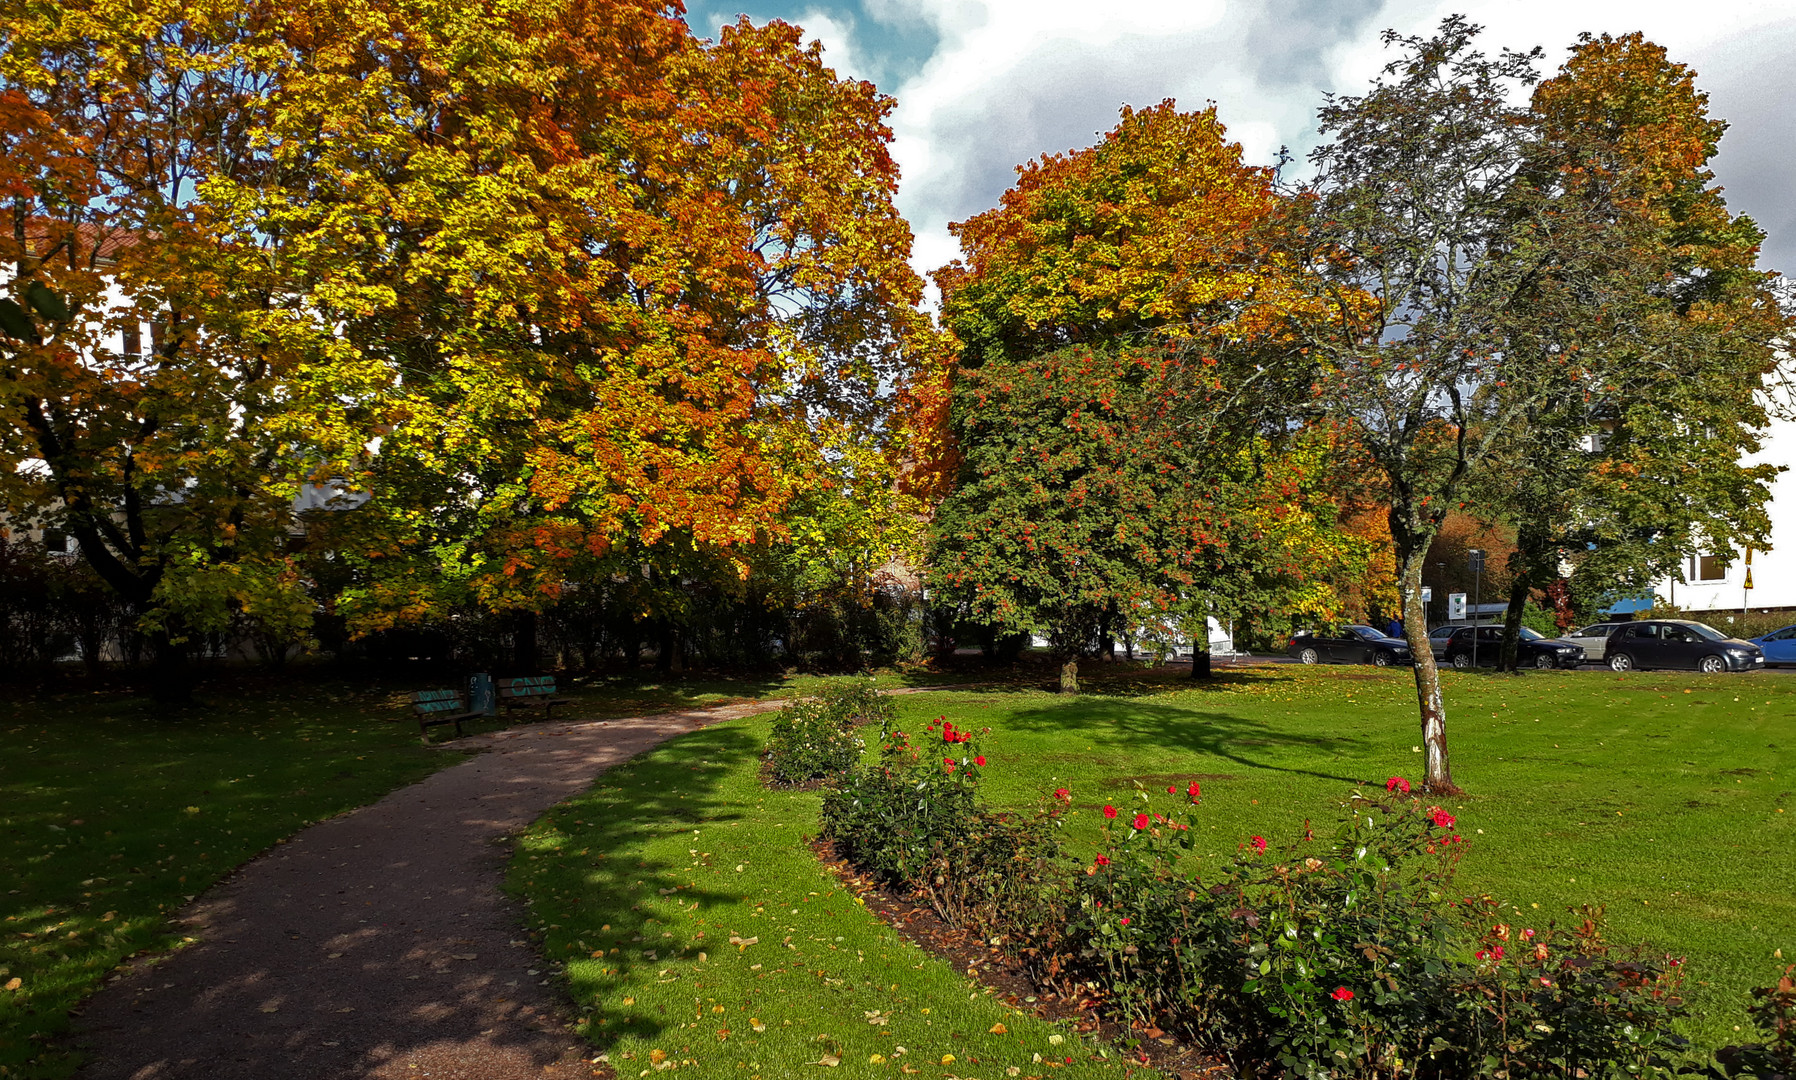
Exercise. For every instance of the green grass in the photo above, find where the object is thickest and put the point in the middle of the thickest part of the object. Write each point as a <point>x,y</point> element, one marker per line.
<point>639,885</point>
<point>1583,788</point>
<point>111,818</point>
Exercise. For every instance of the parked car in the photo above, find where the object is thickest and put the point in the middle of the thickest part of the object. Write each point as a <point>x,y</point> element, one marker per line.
<point>1779,646</point>
<point>1680,643</point>
<point>1352,644</point>
<point>1593,639</point>
<point>1533,650</point>
<point>1437,639</point>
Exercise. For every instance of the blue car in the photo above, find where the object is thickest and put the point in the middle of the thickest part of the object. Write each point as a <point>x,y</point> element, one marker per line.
<point>1779,645</point>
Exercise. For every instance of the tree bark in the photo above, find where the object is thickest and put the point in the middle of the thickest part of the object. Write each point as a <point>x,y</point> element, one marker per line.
<point>171,683</point>
<point>523,642</point>
<point>1200,662</point>
<point>1438,775</point>
<point>1519,588</point>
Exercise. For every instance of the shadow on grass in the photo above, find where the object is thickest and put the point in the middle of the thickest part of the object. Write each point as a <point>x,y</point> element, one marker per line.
<point>616,906</point>
<point>1134,723</point>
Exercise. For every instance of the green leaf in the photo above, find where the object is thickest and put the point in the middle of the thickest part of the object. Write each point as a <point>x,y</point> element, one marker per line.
<point>48,304</point>
<point>16,324</point>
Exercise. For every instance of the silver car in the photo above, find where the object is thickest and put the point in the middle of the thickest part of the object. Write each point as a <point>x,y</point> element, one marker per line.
<point>1594,639</point>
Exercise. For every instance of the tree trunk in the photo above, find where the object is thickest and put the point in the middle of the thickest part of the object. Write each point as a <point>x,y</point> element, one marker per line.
<point>1200,662</point>
<point>1438,776</point>
<point>524,643</point>
<point>1519,588</point>
<point>1069,675</point>
<point>171,683</point>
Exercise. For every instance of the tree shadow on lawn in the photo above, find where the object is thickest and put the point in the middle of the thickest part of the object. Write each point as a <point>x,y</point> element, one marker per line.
<point>1143,724</point>
<point>583,869</point>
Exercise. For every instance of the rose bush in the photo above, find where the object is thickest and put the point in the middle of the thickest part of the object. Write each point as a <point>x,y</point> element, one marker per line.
<point>818,739</point>
<point>1344,957</point>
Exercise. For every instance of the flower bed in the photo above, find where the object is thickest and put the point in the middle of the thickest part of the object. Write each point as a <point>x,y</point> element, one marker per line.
<point>818,739</point>
<point>1350,955</point>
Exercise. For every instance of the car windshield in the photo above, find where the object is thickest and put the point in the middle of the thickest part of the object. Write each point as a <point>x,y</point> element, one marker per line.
<point>1532,635</point>
<point>1707,631</point>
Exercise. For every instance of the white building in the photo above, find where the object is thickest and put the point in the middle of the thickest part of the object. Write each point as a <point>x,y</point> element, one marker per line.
<point>1718,581</point>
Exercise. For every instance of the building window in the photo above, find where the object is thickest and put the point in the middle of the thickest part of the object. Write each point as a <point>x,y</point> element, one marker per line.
<point>133,340</point>
<point>1709,567</point>
<point>56,542</point>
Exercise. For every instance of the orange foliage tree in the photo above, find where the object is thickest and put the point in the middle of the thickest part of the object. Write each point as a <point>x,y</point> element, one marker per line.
<point>608,297</point>
<point>1166,474</point>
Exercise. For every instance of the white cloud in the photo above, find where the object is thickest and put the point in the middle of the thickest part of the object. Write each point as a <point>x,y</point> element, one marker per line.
<point>1012,79</point>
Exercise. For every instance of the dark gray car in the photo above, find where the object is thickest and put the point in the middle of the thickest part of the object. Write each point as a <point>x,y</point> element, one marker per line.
<point>1680,643</point>
<point>1351,644</point>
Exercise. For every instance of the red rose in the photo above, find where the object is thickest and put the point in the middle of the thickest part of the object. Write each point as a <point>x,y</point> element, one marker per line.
<point>947,761</point>
<point>1063,795</point>
<point>1342,994</point>
<point>980,760</point>
<point>1170,790</point>
<point>1194,791</point>
<point>1140,822</point>
<point>1397,783</point>
<point>1109,811</point>
<point>1125,920</point>
<point>1103,860</point>
<point>1259,843</point>
<point>1443,819</point>
<point>1497,953</point>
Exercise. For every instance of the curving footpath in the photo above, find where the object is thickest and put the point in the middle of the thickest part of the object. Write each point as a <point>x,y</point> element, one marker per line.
<point>377,944</point>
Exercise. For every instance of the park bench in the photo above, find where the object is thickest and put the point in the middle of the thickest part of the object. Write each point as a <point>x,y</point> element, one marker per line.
<point>434,707</point>
<point>532,692</point>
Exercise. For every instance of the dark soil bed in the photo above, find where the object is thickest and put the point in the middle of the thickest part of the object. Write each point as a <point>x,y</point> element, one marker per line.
<point>922,927</point>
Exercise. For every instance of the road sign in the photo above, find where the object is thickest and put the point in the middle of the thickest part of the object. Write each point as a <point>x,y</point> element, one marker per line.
<point>1475,560</point>
<point>1427,594</point>
<point>1455,606</point>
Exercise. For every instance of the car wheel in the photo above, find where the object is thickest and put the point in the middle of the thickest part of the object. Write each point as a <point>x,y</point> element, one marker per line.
<point>1381,659</point>
<point>1309,656</point>
<point>1621,661</point>
<point>1544,661</point>
<point>1711,665</point>
<point>1461,661</point>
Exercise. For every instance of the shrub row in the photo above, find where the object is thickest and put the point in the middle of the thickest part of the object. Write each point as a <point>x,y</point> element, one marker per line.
<point>1344,957</point>
<point>819,738</point>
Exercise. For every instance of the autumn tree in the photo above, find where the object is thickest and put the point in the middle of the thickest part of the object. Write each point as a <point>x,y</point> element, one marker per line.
<point>1465,297</point>
<point>1155,236</point>
<point>1627,473</point>
<point>600,295</point>
<point>146,404</point>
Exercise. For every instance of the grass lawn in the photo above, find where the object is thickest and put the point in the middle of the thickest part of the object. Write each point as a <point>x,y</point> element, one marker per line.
<point>1672,808</point>
<point>110,818</point>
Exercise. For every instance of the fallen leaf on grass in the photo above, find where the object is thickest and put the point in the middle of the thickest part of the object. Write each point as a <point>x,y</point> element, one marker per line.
<point>876,1059</point>
<point>629,1001</point>
<point>756,1024</point>
<point>743,943</point>
<point>999,1029</point>
<point>827,1060</point>
<point>14,984</point>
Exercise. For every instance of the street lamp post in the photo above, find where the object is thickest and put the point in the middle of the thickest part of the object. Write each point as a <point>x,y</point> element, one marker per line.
<point>1476,557</point>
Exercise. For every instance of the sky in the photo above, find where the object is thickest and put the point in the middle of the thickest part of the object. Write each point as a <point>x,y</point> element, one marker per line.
<point>984,85</point>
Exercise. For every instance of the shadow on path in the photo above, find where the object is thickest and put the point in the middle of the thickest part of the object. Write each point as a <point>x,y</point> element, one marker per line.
<point>379,943</point>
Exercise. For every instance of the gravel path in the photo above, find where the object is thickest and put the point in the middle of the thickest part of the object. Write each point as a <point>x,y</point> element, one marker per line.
<point>377,944</point>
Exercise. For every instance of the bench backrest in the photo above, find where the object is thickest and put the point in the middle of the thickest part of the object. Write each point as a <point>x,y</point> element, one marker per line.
<point>528,686</point>
<point>435,701</point>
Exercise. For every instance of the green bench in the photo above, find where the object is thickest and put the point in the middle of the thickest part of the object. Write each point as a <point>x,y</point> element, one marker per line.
<point>531,692</point>
<point>436,707</point>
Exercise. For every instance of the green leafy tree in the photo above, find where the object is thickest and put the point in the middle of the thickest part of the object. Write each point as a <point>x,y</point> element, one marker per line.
<point>1623,476</point>
<point>1466,298</point>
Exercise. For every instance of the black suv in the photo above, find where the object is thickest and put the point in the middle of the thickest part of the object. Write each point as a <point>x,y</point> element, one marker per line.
<point>1533,650</point>
<point>1679,643</point>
